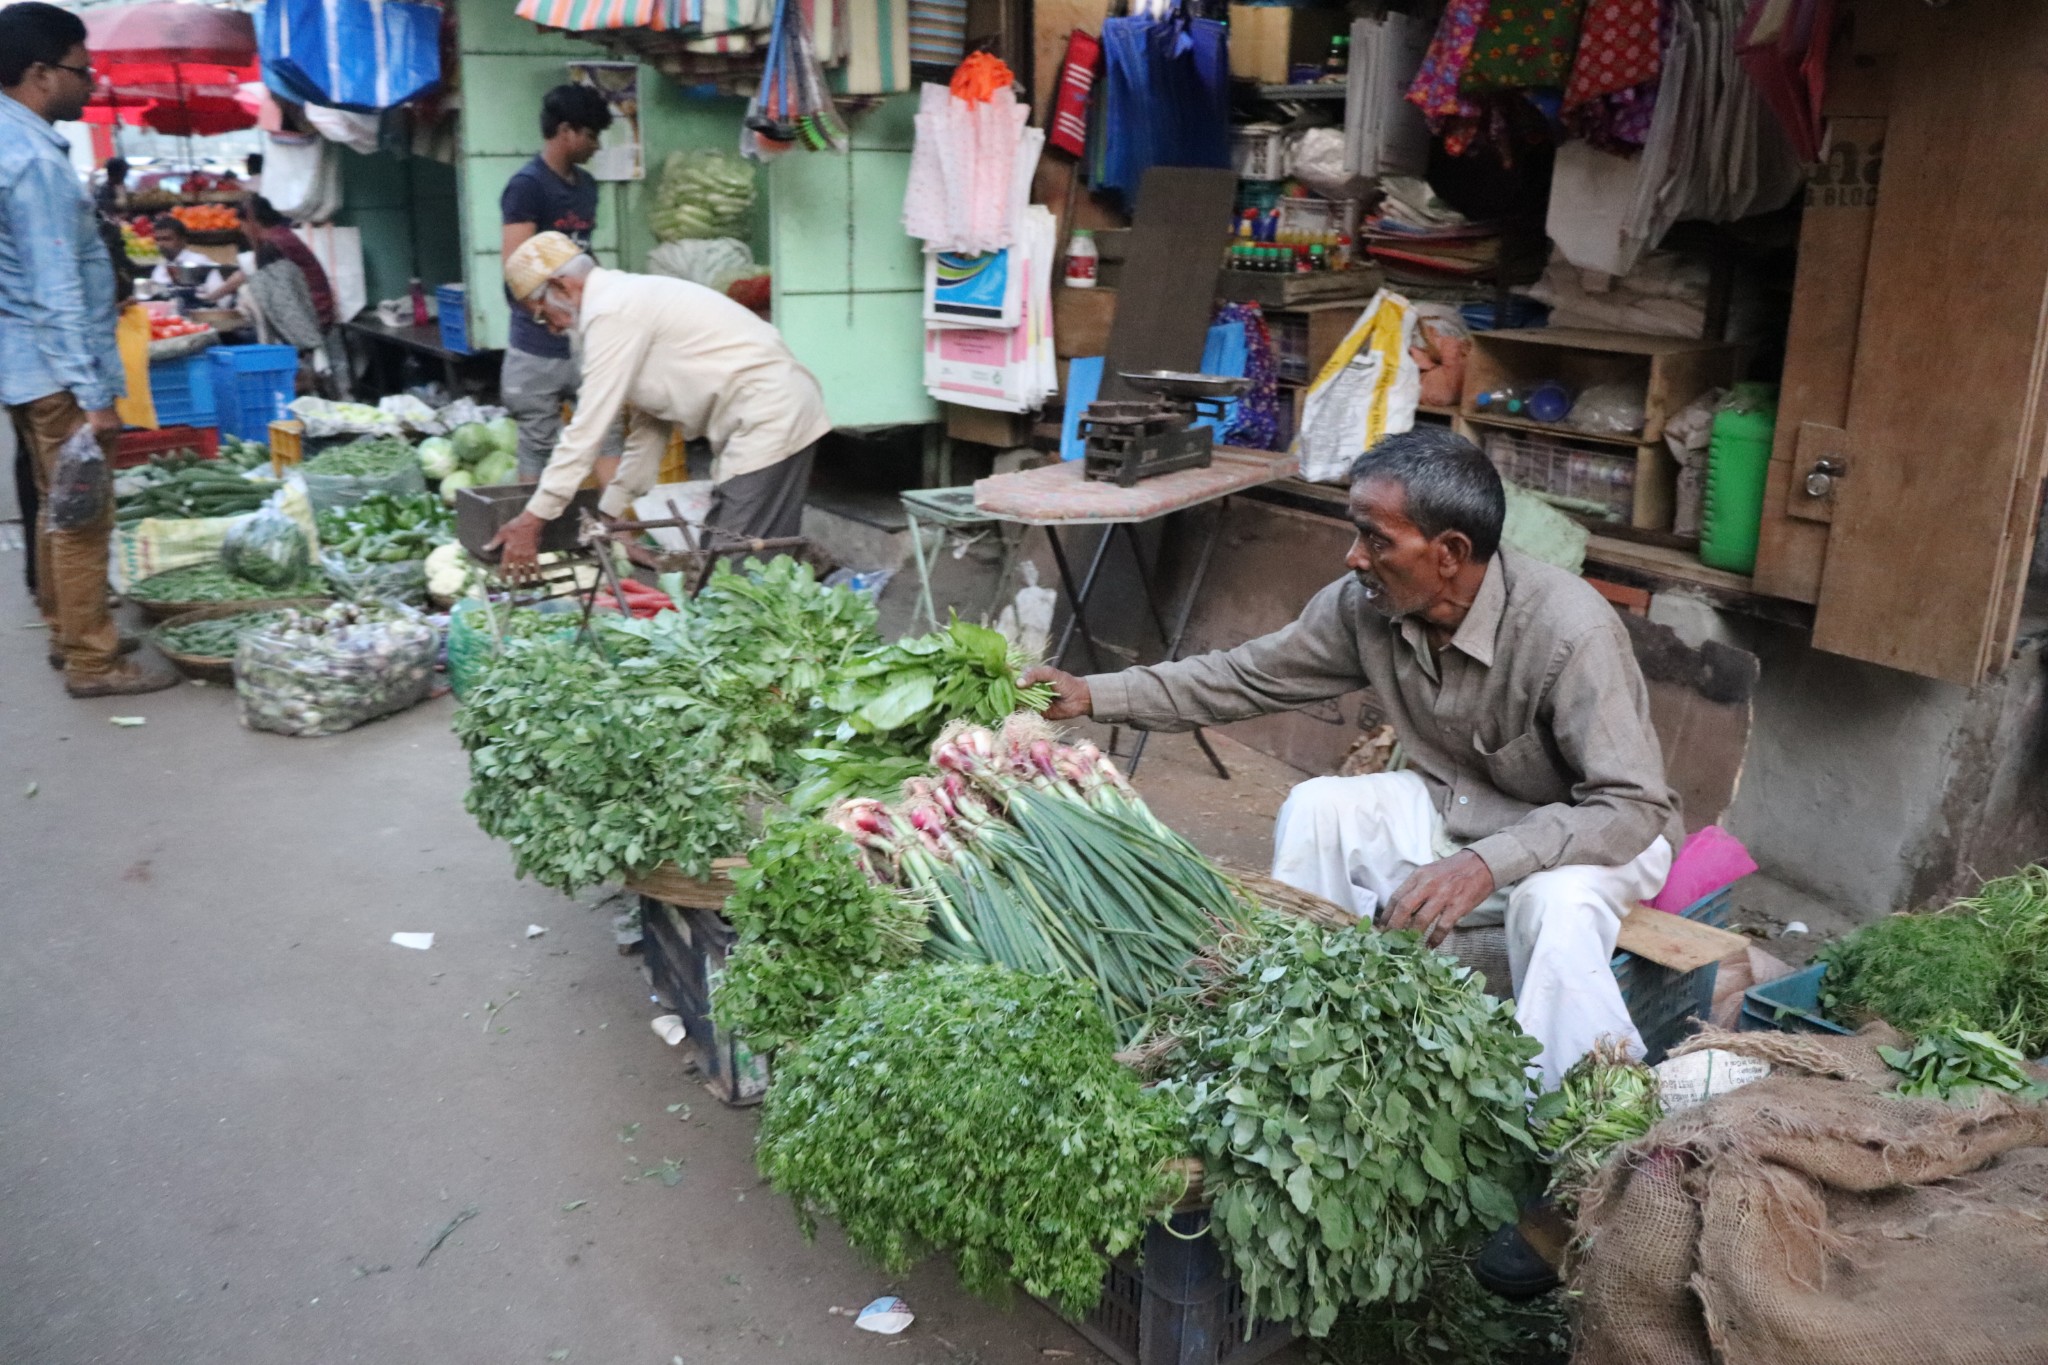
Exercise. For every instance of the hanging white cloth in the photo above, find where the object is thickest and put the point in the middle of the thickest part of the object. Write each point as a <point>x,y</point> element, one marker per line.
<point>1354,840</point>
<point>970,170</point>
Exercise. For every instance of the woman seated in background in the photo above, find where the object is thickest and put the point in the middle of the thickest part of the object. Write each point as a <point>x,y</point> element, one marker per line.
<point>278,296</point>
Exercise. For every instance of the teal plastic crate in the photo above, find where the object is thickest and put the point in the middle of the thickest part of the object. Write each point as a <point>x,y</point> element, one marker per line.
<point>1662,1001</point>
<point>182,391</point>
<point>1791,1004</point>
<point>253,386</point>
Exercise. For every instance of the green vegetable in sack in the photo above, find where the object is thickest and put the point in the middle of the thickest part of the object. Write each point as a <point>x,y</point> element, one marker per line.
<point>266,547</point>
<point>1917,972</point>
<point>701,194</point>
<point>437,457</point>
<point>371,457</point>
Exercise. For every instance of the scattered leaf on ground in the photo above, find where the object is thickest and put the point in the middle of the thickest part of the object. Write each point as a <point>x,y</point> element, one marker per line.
<point>127,722</point>
<point>573,1205</point>
<point>629,1132</point>
<point>30,790</point>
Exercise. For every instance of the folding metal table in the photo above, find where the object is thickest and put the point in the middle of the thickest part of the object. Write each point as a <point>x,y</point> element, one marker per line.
<point>1056,496</point>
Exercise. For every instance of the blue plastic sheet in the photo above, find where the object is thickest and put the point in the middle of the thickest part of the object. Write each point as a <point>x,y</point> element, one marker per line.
<point>350,54</point>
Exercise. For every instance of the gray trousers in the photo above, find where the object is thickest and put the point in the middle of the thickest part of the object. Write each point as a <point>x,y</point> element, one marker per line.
<point>533,389</point>
<point>767,504</point>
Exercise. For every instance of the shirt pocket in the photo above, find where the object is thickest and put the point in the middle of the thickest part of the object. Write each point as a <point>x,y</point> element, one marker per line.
<point>1523,768</point>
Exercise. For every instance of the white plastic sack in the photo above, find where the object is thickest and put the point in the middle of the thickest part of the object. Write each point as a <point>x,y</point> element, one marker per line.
<point>1368,389</point>
<point>714,262</point>
<point>340,253</point>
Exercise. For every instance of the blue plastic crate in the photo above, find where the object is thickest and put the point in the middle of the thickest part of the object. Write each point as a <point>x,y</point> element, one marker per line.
<point>1791,1004</point>
<point>182,391</point>
<point>253,386</point>
<point>1661,1000</point>
<point>451,302</point>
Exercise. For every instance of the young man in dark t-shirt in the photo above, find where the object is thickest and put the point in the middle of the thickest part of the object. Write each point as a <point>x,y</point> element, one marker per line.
<point>551,193</point>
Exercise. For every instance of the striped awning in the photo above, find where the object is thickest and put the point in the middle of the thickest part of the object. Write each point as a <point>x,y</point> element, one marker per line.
<point>585,16</point>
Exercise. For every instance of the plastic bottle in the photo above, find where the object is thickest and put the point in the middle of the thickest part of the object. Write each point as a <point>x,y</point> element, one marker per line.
<point>419,304</point>
<point>1549,401</point>
<point>1338,63</point>
<point>1738,457</point>
<point>1508,399</point>
<point>1084,263</point>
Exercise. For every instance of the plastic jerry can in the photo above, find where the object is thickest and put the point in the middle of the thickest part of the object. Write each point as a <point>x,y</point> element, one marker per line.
<point>1738,458</point>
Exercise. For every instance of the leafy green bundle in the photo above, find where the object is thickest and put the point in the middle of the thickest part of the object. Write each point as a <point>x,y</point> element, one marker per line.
<point>975,1110</point>
<point>592,765</point>
<point>2015,910</point>
<point>887,708</point>
<point>812,927</point>
<point>1957,1065</point>
<point>1917,972</point>
<point>1357,1102</point>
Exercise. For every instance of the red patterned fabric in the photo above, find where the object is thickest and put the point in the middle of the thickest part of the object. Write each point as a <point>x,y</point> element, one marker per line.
<point>1618,49</point>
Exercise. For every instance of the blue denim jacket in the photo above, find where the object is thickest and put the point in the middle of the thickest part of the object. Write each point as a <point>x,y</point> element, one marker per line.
<point>57,310</point>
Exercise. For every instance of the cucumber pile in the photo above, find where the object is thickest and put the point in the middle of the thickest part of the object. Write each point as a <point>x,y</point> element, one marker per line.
<point>182,485</point>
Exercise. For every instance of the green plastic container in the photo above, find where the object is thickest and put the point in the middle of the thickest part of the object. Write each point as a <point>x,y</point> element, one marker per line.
<point>1738,459</point>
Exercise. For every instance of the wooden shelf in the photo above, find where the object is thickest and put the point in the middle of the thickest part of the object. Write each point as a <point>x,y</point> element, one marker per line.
<point>1325,90</point>
<point>1558,429</point>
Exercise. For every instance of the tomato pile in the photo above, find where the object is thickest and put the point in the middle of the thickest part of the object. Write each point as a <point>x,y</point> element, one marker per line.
<point>207,217</point>
<point>161,329</point>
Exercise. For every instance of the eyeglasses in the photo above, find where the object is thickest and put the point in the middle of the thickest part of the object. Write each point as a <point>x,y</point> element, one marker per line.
<point>85,72</point>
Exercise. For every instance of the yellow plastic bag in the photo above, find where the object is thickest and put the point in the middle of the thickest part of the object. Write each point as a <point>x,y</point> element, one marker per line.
<point>131,338</point>
<point>1368,389</point>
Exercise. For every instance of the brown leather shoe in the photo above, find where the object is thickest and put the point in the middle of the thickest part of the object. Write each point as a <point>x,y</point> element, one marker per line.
<point>124,679</point>
<point>129,644</point>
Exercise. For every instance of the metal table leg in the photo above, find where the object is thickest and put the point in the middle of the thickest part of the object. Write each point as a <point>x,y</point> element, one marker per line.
<point>1180,630</point>
<point>1077,600</point>
<point>924,577</point>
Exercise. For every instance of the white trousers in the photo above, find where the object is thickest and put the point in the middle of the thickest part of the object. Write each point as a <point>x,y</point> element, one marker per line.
<point>1354,840</point>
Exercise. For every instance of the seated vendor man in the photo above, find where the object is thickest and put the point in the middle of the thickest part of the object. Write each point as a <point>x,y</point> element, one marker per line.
<point>1535,788</point>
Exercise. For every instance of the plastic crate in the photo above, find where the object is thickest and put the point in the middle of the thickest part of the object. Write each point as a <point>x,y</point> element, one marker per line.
<point>1791,1004</point>
<point>253,386</point>
<point>451,302</point>
<point>1662,1000</point>
<point>1258,151</point>
<point>132,448</point>
<point>1580,477</point>
<point>182,391</point>
<point>1176,1303</point>
<point>685,950</point>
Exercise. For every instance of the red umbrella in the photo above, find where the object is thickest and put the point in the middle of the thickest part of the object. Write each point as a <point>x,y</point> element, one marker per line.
<point>179,65</point>
<point>169,33</point>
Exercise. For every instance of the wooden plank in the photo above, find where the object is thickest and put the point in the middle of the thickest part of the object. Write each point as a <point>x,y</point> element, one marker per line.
<point>1820,351</point>
<point>1660,559</point>
<point>667,883</point>
<point>1948,353</point>
<point>1162,316</point>
<point>1674,941</point>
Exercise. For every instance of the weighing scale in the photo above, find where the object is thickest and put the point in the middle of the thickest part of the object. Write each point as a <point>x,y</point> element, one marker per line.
<point>1123,441</point>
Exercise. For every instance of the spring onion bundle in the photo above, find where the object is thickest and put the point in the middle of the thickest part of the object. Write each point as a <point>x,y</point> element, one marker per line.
<point>1041,857</point>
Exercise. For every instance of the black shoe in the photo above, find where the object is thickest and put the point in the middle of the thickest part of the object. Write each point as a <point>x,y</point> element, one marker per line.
<point>1510,1266</point>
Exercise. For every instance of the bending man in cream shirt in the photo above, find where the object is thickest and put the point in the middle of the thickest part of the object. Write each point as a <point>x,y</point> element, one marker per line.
<point>675,354</point>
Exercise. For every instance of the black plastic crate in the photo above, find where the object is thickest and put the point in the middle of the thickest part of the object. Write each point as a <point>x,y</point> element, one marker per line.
<point>1176,1303</point>
<point>685,951</point>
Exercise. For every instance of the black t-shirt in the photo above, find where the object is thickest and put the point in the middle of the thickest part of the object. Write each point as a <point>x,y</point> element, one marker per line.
<point>535,194</point>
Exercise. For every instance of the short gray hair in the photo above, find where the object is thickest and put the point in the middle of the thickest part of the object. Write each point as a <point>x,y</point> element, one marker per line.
<point>1450,485</point>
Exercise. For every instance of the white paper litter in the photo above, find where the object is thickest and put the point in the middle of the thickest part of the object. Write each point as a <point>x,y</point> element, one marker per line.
<point>886,1316</point>
<point>1797,926</point>
<point>420,941</point>
<point>534,931</point>
<point>669,1028</point>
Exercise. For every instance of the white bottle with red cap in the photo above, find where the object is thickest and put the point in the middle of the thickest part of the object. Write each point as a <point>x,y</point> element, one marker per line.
<point>1084,263</point>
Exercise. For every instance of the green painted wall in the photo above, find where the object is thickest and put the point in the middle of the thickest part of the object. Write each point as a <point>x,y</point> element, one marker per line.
<point>507,65</point>
<point>405,208</point>
<point>849,282</point>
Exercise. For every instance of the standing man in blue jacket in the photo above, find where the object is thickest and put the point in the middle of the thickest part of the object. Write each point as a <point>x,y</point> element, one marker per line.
<point>60,370</point>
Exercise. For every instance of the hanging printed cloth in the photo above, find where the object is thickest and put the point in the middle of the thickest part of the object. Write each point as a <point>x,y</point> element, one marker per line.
<point>1435,89</point>
<point>1256,420</point>
<point>1613,92</point>
<point>1523,46</point>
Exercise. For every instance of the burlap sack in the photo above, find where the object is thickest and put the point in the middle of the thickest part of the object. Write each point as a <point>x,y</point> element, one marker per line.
<point>1814,1218</point>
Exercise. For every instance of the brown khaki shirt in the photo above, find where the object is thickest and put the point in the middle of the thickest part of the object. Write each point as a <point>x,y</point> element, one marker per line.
<point>1532,727</point>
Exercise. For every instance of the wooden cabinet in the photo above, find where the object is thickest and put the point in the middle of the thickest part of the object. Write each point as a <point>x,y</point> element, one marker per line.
<point>1627,477</point>
<point>1918,347</point>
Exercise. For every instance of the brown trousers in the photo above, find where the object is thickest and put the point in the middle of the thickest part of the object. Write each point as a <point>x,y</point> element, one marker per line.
<point>71,565</point>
